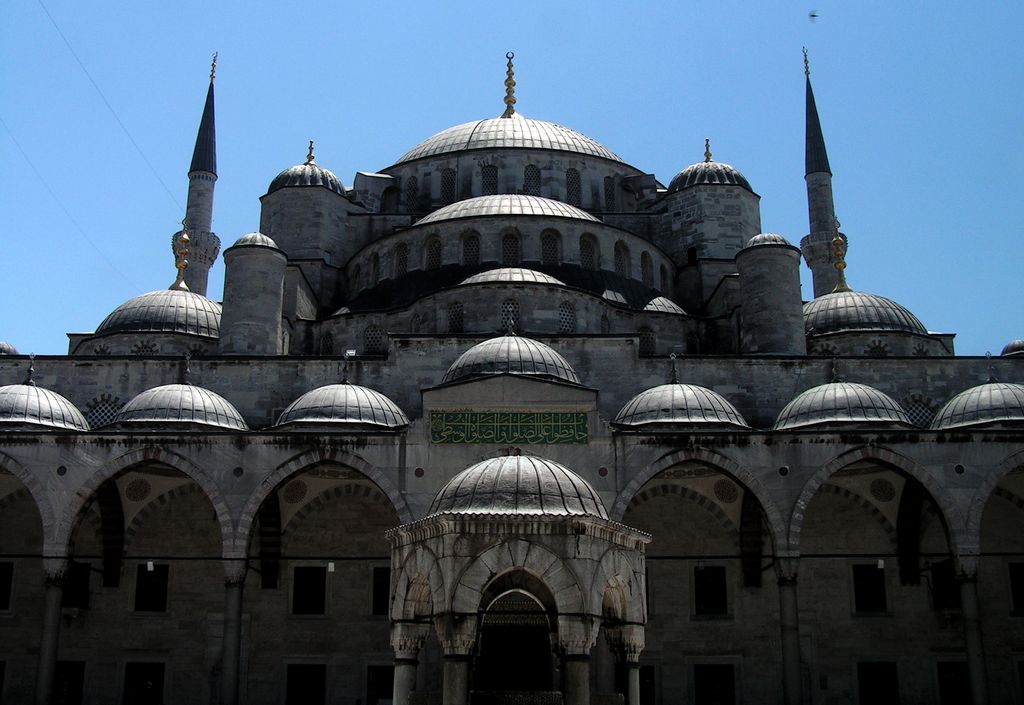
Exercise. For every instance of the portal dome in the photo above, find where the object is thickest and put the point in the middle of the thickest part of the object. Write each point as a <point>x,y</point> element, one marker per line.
<point>176,404</point>
<point>708,172</point>
<point>511,275</point>
<point>7,349</point>
<point>257,240</point>
<point>165,311</point>
<point>26,405</point>
<point>986,403</point>
<point>856,311</point>
<point>1014,347</point>
<point>518,484</point>
<point>510,354</point>
<point>662,304</point>
<point>768,239</point>
<point>308,174</point>
<point>344,403</point>
<point>840,403</point>
<point>680,404</point>
<point>506,204</point>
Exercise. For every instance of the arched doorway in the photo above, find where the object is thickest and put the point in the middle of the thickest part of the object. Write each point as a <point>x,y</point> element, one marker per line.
<point>514,652</point>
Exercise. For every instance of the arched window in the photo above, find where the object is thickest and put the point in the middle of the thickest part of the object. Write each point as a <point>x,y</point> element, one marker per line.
<point>326,344</point>
<point>456,317</point>
<point>510,252</point>
<point>401,259</point>
<point>609,193</point>
<point>412,193</point>
<point>471,250</point>
<point>646,269</point>
<point>666,287</point>
<point>623,267</point>
<point>566,318</point>
<point>432,255</point>
<point>389,200</point>
<point>573,188</point>
<point>448,186</point>
<point>589,255</point>
<point>647,341</point>
<point>489,179</point>
<point>531,180</point>
<point>374,340</point>
<point>374,269</point>
<point>510,316</point>
<point>550,248</point>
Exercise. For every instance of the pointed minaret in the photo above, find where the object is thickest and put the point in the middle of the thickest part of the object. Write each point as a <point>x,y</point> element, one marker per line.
<point>203,245</point>
<point>817,247</point>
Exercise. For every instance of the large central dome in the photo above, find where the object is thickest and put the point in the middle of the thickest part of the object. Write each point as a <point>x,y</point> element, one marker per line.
<point>514,132</point>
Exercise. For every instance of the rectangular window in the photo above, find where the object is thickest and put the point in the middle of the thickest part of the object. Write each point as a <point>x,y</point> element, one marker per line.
<point>945,591</point>
<point>380,683</point>
<point>143,684</point>
<point>714,683</point>
<point>76,586</point>
<point>954,682</point>
<point>381,597</point>
<point>309,590</point>
<point>869,589</point>
<point>306,684</point>
<point>1016,572</point>
<point>151,587</point>
<point>69,683</point>
<point>6,580</point>
<point>877,683</point>
<point>709,591</point>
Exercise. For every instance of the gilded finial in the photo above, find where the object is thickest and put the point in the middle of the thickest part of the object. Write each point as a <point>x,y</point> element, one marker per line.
<point>839,250</point>
<point>510,88</point>
<point>213,66</point>
<point>309,156</point>
<point>707,150</point>
<point>807,64</point>
<point>180,263</point>
<point>673,378</point>
<point>31,370</point>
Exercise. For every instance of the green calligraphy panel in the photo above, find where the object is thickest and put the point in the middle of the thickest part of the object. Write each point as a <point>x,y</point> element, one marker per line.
<point>503,427</point>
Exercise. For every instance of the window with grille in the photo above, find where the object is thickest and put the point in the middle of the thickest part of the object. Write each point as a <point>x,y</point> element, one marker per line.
<point>151,587</point>
<point>549,248</point>
<point>573,189</point>
<point>588,253</point>
<point>401,259</point>
<point>531,180</point>
<point>448,186</point>
<point>609,193</point>
<point>646,269</point>
<point>647,341</point>
<point>471,250</point>
<point>102,410</point>
<point>374,341</point>
<point>566,318</point>
<point>489,174</point>
<point>456,317</point>
<point>664,280</point>
<point>433,258</point>
<point>326,344</point>
<point>919,411</point>
<point>510,250</point>
<point>622,265</point>
<point>309,590</point>
<point>869,589</point>
<point>510,316</point>
<point>412,192</point>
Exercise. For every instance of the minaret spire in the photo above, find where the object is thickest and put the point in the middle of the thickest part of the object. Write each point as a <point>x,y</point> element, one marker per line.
<point>510,87</point>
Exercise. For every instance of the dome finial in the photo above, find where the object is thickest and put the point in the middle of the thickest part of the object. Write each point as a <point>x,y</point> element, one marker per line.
<point>510,88</point>
<point>707,150</point>
<point>839,248</point>
<point>991,371</point>
<point>835,370</point>
<point>180,263</point>
<point>31,370</point>
<point>186,370</point>
<point>213,66</point>
<point>309,156</point>
<point>807,64</point>
<point>344,365</point>
<point>672,377</point>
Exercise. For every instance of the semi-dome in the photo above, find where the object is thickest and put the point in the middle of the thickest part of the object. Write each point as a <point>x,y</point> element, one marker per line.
<point>344,403</point>
<point>511,275</point>
<point>856,311</point>
<point>7,349</point>
<point>708,172</point>
<point>510,354</point>
<point>175,404</point>
<point>680,404</point>
<point>768,239</point>
<point>504,205</point>
<point>515,132</point>
<point>255,240</point>
<point>165,311</point>
<point>662,304</point>
<point>987,403</point>
<point>1014,347</point>
<point>26,405</point>
<point>518,484</point>
<point>840,402</point>
<point>308,174</point>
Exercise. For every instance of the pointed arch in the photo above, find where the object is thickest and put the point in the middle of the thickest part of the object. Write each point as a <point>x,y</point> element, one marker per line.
<point>36,490</point>
<point>976,508</point>
<point>417,580</point>
<point>624,578</point>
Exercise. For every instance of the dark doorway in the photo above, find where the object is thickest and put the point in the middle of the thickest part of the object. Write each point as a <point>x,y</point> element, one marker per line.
<point>380,683</point>
<point>515,646</point>
<point>877,683</point>
<point>69,683</point>
<point>714,684</point>
<point>306,684</point>
<point>954,682</point>
<point>143,684</point>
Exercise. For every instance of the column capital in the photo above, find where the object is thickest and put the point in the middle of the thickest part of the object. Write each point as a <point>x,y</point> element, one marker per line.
<point>967,567</point>
<point>407,639</point>
<point>457,634</point>
<point>576,635</point>
<point>627,642</point>
<point>787,569</point>
<point>235,570</point>
<point>54,570</point>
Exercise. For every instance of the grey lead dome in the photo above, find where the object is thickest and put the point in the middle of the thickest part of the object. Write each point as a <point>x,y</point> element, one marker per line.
<point>506,204</point>
<point>28,405</point>
<point>987,403</point>
<point>840,402</point>
<point>511,275</point>
<point>257,240</point>
<point>768,239</point>
<point>7,349</point>
<point>518,485</point>
<point>704,173</point>
<point>165,311</point>
<point>510,354</point>
<point>854,310</point>
<point>680,404</point>
<point>345,404</point>
<point>306,175</point>
<point>175,404</point>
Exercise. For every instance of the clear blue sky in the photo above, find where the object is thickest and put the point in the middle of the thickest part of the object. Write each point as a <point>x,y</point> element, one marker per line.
<point>920,103</point>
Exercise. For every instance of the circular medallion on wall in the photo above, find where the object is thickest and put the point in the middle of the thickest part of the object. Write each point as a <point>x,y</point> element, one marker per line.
<point>294,492</point>
<point>883,490</point>
<point>726,491</point>
<point>138,490</point>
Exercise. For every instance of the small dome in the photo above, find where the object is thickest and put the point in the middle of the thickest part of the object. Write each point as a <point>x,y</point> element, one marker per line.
<point>165,311</point>
<point>175,404</point>
<point>685,404</point>
<point>1014,347</point>
<point>986,403</point>
<point>662,304</point>
<point>26,405</point>
<point>506,204</point>
<point>306,175</point>
<point>703,173</point>
<point>516,275</point>
<point>518,484</point>
<point>7,349</point>
<point>516,132</point>
<point>840,402</point>
<point>511,354</point>
<point>346,404</point>
<point>257,239</point>
<point>856,311</point>
<point>768,239</point>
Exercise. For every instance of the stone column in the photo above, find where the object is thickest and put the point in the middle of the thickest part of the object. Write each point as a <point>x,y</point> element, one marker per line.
<point>457,634</point>
<point>234,584</point>
<point>53,593</point>
<point>789,619</point>
<point>627,643</point>
<point>406,640</point>
<point>576,637</point>
<point>967,576</point>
